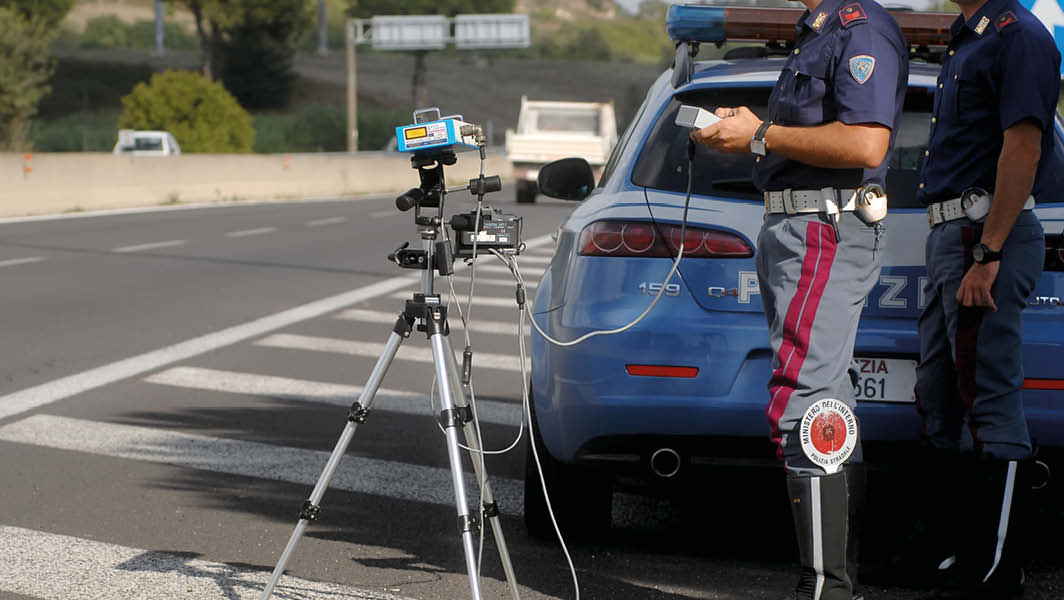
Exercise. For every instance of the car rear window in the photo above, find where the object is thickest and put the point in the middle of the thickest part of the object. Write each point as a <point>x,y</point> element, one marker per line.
<point>662,163</point>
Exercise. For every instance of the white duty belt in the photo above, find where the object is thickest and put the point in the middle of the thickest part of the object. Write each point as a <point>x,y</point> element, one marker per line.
<point>799,202</point>
<point>951,210</point>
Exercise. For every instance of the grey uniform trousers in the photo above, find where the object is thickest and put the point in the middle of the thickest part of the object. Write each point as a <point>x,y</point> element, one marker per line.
<point>813,290</point>
<point>971,367</point>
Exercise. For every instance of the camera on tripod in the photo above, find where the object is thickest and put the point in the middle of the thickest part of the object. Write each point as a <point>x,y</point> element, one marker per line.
<point>433,142</point>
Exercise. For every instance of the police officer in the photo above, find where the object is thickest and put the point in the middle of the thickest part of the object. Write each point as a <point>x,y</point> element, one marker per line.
<point>991,137</point>
<point>821,163</point>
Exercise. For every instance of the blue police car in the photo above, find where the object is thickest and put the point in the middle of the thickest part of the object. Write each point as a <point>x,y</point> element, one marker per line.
<point>686,387</point>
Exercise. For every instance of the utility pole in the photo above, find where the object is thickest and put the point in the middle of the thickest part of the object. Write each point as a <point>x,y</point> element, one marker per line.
<point>352,87</point>
<point>323,28</point>
<point>160,30</point>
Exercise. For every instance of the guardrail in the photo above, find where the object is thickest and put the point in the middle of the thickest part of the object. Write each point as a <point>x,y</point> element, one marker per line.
<point>51,183</point>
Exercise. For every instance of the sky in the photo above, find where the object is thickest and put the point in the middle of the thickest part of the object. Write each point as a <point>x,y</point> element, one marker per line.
<point>631,5</point>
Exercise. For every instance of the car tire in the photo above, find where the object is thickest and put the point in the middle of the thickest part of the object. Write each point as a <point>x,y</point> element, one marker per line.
<point>580,497</point>
<point>527,192</point>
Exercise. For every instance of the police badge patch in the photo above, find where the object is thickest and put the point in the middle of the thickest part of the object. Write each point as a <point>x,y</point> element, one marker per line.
<point>861,67</point>
<point>828,433</point>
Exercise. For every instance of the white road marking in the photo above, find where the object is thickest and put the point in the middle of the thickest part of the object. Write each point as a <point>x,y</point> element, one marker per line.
<point>71,385</point>
<point>61,567</point>
<point>326,221</point>
<point>508,302</point>
<point>422,354</point>
<point>359,474</point>
<point>21,261</point>
<point>388,318</point>
<point>151,246</point>
<point>387,400</point>
<point>249,232</point>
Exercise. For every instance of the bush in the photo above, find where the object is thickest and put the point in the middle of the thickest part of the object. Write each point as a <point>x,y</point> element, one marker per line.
<point>81,132</point>
<point>108,31</point>
<point>202,115</point>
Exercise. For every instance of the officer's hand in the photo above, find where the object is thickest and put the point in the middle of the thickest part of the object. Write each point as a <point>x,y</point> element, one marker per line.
<point>732,133</point>
<point>975,287</point>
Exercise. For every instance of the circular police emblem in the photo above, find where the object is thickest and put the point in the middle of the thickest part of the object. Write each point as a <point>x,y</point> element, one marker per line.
<point>828,433</point>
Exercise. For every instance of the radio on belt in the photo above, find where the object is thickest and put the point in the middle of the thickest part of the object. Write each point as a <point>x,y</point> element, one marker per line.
<point>432,134</point>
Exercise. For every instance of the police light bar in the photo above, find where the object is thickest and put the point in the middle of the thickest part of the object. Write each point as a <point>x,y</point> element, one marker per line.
<point>699,23</point>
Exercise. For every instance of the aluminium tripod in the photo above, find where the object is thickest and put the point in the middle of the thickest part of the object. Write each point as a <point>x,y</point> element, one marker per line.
<point>430,313</point>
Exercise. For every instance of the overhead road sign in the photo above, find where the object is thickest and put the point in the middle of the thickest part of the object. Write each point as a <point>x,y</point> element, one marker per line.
<point>419,32</point>
<point>491,31</point>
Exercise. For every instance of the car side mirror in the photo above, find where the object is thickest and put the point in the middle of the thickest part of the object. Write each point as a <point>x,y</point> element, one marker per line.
<point>566,179</point>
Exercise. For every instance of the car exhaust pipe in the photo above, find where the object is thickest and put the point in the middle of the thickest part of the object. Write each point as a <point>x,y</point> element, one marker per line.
<point>665,462</point>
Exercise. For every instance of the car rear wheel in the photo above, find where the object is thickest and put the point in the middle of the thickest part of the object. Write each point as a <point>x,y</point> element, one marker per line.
<point>580,497</point>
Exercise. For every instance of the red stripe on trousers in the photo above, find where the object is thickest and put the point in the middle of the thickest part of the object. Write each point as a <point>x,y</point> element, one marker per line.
<point>798,323</point>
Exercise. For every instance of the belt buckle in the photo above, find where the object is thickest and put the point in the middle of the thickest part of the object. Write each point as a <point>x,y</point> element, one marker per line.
<point>930,217</point>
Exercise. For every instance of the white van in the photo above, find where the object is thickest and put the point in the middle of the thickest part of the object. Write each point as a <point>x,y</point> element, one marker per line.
<point>146,143</point>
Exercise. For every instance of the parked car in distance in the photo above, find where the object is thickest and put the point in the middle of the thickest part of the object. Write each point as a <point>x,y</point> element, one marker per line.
<point>549,130</point>
<point>146,143</point>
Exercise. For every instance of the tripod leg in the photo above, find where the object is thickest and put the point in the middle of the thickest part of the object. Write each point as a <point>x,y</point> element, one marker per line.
<point>451,419</point>
<point>491,509</point>
<point>359,413</point>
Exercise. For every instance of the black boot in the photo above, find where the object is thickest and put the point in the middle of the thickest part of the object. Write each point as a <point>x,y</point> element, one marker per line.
<point>992,551</point>
<point>926,556</point>
<point>821,510</point>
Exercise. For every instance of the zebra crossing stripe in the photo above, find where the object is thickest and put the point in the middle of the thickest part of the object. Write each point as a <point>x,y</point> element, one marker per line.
<point>534,273</point>
<point>481,360</point>
<point>478,325</point>
<point>411,403</point>
<point>50,566</point>
<point>359,474</point>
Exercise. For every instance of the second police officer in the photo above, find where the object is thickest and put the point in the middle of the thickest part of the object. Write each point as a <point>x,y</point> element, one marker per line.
<point>988,155</point>
<point>821,161</point>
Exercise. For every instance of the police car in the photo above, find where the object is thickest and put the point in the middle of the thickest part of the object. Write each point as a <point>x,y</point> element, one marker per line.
<point>686,387</point>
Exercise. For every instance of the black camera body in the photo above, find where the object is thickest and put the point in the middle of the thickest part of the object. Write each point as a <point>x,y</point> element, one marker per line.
<point>498,231</point>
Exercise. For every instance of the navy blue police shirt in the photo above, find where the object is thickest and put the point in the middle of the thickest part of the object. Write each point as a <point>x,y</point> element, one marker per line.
<point>1002,67</point>
<point>850,64</point>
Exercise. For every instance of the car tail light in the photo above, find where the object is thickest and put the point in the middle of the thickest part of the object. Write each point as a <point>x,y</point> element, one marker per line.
<point>1054,253</point>
<point>652,240</point>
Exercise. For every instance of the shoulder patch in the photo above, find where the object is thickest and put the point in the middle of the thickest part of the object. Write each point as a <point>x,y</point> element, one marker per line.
<point>1006,19</point>
<point>861,67</point>
<point>852,13</point>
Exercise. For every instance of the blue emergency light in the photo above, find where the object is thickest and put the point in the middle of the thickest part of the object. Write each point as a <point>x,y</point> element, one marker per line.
<point>695,23</point>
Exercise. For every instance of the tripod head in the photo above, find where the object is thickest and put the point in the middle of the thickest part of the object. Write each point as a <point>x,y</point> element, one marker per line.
<point>433,144</point>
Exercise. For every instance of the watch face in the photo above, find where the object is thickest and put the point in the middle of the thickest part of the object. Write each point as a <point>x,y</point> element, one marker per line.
<point>979,253</point>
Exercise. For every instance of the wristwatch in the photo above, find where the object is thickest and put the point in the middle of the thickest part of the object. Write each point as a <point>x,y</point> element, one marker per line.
<point>983,254</point>
<point>757,144</point>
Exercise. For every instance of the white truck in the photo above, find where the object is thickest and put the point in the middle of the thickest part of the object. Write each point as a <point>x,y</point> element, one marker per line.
<point>146,143</point>
<point>549,130</point>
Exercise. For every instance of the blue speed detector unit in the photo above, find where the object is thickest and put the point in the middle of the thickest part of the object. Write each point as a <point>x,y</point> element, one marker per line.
<point>436,137</point>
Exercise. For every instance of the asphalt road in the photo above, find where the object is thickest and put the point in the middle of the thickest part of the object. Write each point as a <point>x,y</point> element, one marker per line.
<point>172,382</point>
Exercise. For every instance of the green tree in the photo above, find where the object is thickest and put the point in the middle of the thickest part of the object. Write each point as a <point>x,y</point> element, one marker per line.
<point>202,115</point>
<point>258,54</point>
<point>364,9</point>
<point>25,68</point>
<point>47,12</point>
